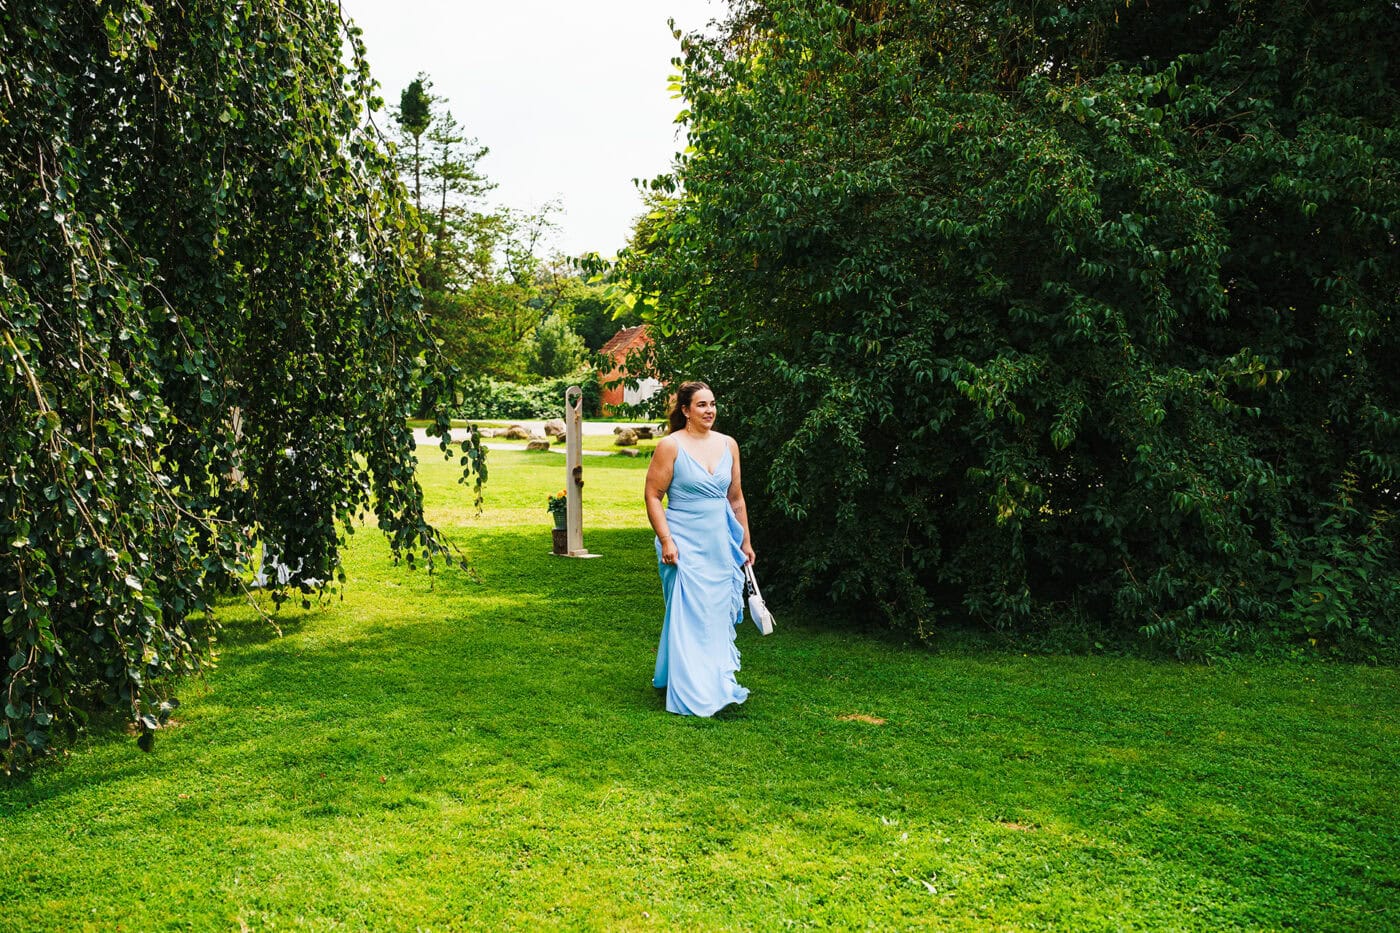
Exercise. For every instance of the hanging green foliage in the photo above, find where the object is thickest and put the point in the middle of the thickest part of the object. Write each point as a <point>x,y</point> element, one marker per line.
<point>209,336</point>
<point>1037,312</point>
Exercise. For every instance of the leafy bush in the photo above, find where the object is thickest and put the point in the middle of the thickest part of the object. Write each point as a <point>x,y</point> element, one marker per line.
<point>490,400</point>
<point>1029,312</point>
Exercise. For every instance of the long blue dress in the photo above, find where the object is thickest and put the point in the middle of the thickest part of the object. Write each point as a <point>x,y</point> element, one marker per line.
<point>704,591</point>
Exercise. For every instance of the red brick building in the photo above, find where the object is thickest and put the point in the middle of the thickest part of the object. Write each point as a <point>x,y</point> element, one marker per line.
<point>626,341</point>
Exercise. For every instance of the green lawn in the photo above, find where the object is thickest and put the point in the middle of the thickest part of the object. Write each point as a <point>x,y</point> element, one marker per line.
<point>453,752</point>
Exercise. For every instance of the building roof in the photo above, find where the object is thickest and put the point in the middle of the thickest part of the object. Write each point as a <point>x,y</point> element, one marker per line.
<point>624,340</point>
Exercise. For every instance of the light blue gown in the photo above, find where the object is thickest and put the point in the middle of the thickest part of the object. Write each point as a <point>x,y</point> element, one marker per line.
<point>704,591</point>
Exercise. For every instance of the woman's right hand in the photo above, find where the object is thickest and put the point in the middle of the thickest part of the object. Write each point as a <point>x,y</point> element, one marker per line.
<point>668,551</point>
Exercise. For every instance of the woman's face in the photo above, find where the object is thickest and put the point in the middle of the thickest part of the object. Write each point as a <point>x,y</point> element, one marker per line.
<point>701,410</point>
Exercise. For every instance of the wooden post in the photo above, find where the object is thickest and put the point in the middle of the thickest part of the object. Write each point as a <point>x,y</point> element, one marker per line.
<point>573,471</point>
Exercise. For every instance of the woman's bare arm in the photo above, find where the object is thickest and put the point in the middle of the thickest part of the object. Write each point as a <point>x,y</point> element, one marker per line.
<point>736,499</point>
<point>663,465</point>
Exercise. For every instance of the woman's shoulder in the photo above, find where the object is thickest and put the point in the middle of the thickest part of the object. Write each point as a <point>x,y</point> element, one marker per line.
<point>666,446</point>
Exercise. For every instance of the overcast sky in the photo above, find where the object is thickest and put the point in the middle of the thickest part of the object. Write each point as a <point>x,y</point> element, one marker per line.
<point>569,95</point>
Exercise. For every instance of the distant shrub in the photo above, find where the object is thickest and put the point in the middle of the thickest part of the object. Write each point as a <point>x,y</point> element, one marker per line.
<point>502,401</point>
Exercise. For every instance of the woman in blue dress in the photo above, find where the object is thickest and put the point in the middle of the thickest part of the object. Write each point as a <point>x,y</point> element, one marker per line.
<point>702,545</point>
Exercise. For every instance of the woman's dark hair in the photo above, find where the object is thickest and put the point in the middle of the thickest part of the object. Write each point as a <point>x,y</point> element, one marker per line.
<point>683,396</point>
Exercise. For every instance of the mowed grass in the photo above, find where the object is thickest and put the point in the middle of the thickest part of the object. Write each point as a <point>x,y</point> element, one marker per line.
<point>459,751</point>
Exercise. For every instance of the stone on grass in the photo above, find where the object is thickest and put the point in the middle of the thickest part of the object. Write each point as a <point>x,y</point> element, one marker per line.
<point>629,452</point>
<point>626,438</point>
<point>554,428</point>
<point>538,444</point>
<point>643,433</point>
<point>517,432</point>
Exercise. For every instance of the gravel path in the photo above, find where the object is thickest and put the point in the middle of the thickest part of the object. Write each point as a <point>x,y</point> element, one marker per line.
<point>604,428</point>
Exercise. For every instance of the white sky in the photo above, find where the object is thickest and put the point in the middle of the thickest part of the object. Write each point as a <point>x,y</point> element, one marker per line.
<point>569,95</point>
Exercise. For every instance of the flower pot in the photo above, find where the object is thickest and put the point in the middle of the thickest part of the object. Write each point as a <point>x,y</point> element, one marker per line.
<point>561,520</point>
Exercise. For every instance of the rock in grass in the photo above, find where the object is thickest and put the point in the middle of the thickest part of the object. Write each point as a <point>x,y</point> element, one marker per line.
<point>540,444</point>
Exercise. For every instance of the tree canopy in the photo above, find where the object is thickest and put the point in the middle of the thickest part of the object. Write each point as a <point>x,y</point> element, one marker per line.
<point>1041,314</point>
<point>210,334</point>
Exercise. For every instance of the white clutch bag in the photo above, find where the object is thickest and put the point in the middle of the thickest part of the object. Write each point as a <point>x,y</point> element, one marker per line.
<point>758,609</point>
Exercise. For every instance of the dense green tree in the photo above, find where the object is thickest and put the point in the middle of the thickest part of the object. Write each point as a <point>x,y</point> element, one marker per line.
<point>487,284</point>
<point>499,313</point>
<point>596,313</point>
<point>463,235</point>
<point>413,118</point>
<point>472,308</point>
<point>209,335</point>
<point>501,308</point>
<point>1044,312</point>
<point>555,350</point>
<point>456,235</point>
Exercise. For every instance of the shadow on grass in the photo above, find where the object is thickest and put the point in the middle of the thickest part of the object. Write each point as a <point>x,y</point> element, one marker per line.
<point>245,622</point>
<point>520,706</point>
<point>1108,765</point>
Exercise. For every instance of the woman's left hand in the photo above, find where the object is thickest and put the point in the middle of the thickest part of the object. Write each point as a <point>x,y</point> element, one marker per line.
<point>748,552</point>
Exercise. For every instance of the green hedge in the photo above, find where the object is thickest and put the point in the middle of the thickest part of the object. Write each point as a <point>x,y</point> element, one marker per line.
<point>499,401</point>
